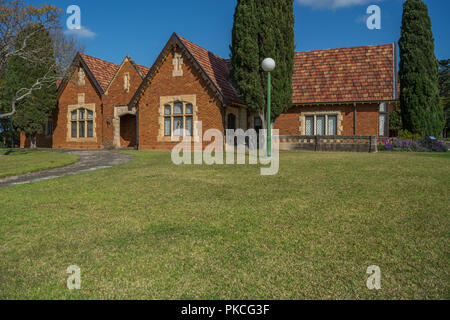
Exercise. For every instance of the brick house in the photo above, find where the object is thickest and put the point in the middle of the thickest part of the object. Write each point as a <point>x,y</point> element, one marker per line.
<point>347,91</point>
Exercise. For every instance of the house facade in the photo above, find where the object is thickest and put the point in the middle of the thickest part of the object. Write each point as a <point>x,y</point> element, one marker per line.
<point>346,91</point>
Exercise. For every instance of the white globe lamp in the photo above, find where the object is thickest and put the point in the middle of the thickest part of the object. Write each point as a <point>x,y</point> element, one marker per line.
<point>268,65</point>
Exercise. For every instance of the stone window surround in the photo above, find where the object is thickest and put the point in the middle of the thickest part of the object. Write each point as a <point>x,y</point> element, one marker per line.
<point>165,100</point>
<point>314,114</point>
<point>70,109</point>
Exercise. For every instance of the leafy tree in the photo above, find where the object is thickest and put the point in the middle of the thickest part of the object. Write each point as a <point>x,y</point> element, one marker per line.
<point>15,18</point>
<point>9,138</point>
<point>395,119</point>
<point>263,28</point>
<point>419,96</point>
<point>32,113</point>
<point>444,85</point>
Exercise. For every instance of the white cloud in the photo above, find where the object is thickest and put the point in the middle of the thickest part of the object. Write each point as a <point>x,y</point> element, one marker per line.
<point>333,4</point>
<point>81,33</point>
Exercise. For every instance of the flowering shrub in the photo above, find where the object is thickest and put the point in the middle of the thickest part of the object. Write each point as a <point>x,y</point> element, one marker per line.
<point>433,145</point>
<point>422,145</point>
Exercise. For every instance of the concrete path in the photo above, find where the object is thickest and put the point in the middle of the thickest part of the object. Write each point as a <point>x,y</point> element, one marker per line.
<point>89,161</point>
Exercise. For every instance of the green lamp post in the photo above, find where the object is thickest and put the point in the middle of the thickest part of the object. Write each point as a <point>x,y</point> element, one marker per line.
<point>268,65</point>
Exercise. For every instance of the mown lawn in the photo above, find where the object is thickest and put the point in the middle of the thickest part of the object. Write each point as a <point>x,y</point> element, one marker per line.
<point>152,230</point>
<point>13,162</point>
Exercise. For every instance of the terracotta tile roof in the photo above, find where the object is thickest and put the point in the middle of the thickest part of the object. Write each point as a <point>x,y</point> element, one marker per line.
<point>348,74</point>
<point>143,70</point>
<point>334,75</point>
<point>217,68</point>
<point>102,70</point>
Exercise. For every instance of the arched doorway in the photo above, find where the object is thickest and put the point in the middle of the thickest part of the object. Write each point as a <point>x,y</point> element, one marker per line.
<point>128,131</point>
<point>125,129</point>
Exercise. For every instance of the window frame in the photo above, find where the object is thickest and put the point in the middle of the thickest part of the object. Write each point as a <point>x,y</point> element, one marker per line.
<point>231,121</point>
<point>170,100</point>
<point>335,125</point>
<point>82,118</point>
<point>323,126</point>
<point>315,116</point>
<point>308,118</point>
<point>184,115</point>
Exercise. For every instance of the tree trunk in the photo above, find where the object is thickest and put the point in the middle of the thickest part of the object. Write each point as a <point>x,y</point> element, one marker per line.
<point>262,115</point>
<point>33,142</point>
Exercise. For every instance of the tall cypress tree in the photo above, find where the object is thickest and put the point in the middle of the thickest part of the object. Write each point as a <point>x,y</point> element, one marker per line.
<point>262,29</point>
<point>444,86</point>
<point>34,111</point>
<point>419,97</point>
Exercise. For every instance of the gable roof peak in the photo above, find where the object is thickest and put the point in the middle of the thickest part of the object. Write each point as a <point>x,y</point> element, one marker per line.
<point>102,70</point>
<point>216,68</point>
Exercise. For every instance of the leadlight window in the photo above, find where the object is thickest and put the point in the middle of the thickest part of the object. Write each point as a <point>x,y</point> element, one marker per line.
<point>332,125</point>
<point>178,119</point>
<point>82,123</point>
<point>321,125</point>
<point>309,126</point>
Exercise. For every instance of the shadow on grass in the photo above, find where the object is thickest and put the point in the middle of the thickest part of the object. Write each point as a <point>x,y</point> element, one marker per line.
<point>9,152</point>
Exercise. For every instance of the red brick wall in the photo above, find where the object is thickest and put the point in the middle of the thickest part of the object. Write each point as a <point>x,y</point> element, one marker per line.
<point>289,123</point>
<point>116,96</point>
<point>367,118</point>
<point>42,141</point>
<point>70,97</point>
<point>209,109</point>
<point>164,84</point>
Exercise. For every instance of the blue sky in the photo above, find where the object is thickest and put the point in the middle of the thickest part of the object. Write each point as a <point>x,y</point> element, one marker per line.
<point>140,28</point>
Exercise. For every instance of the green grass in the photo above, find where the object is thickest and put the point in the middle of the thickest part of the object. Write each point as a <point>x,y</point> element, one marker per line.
<point>19,162</point>
<point>152,230</point>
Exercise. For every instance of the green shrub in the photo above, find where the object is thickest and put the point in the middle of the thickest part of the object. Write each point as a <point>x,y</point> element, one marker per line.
<point>406,135</point>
